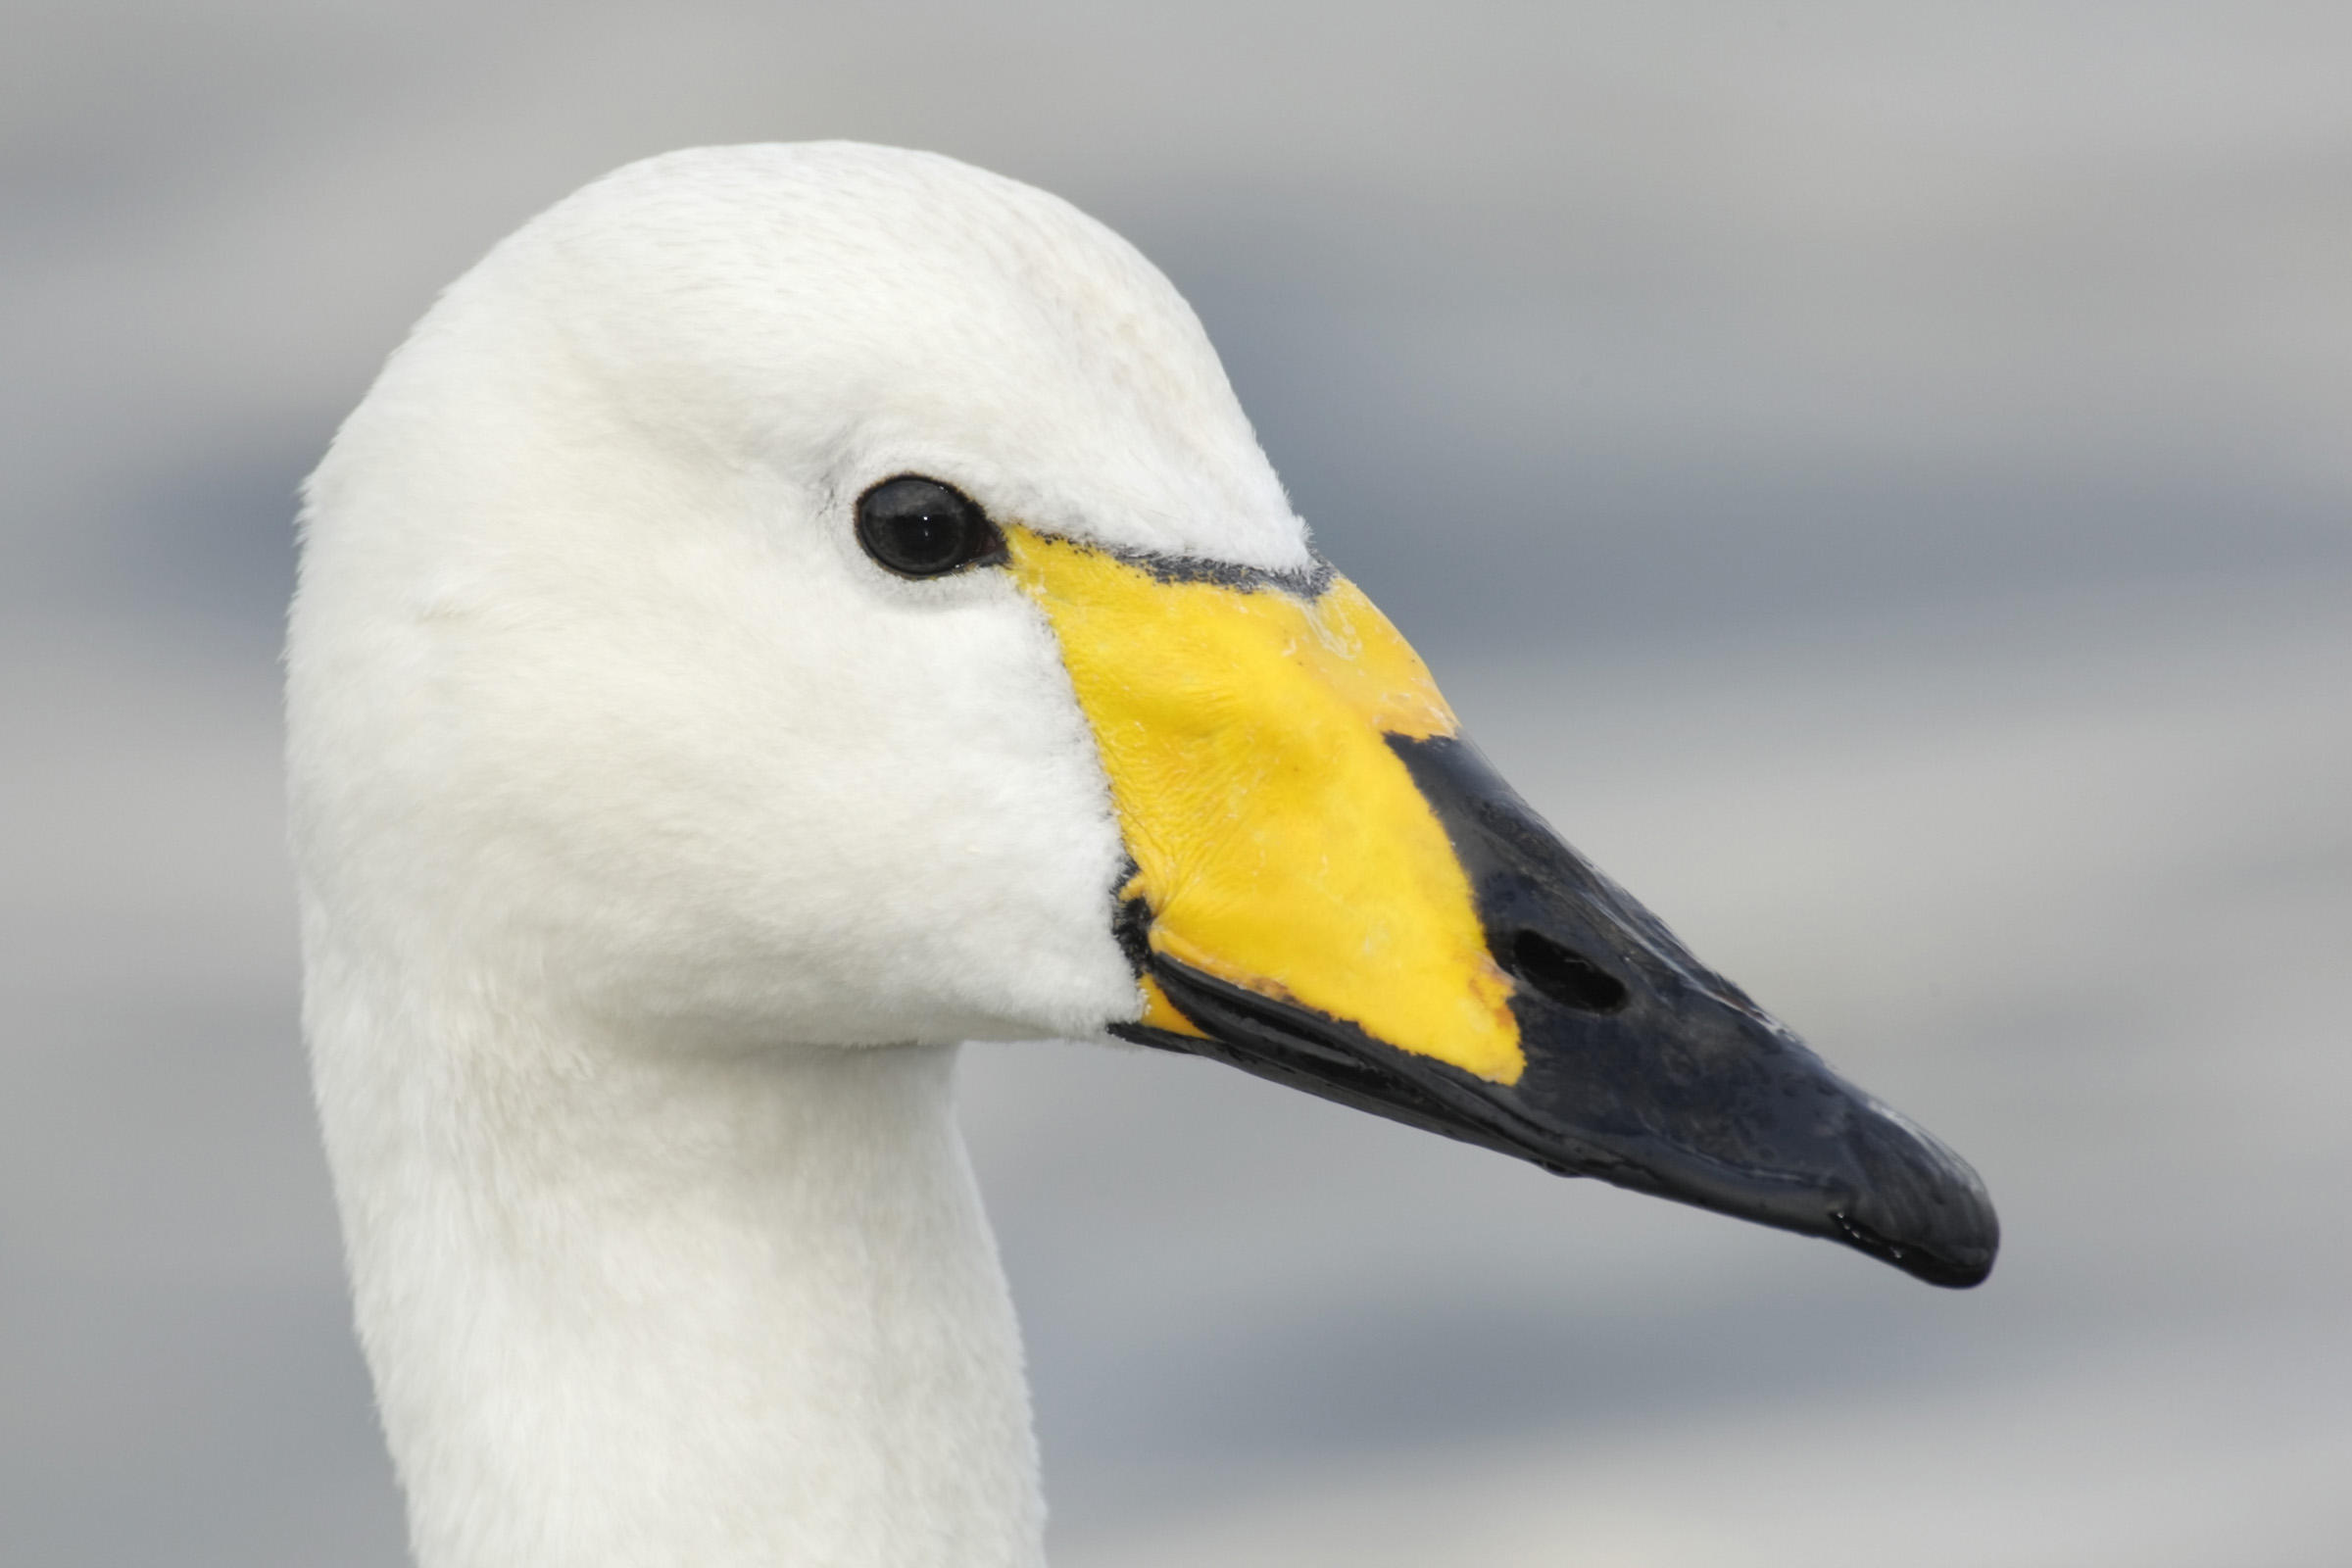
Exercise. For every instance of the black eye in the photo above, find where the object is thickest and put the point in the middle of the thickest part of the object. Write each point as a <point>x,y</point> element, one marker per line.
<point>918,527</point>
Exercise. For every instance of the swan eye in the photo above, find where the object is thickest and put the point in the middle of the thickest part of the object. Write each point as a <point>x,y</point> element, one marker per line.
<point>918,527</point>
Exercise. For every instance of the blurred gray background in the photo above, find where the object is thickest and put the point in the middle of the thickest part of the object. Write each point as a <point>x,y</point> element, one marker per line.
<point>1875,475</point>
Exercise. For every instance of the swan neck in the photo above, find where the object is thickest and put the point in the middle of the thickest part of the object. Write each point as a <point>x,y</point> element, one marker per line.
<point>625,1306</point>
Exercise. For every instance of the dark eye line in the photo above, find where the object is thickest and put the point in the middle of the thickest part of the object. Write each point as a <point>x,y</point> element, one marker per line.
<point>1308,583</point>
<point>917,526</point>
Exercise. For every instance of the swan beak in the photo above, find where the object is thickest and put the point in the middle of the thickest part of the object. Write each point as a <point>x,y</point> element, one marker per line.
<point>1331,889</point>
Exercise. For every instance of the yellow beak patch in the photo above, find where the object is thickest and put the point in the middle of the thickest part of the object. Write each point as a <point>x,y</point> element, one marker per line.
<point>1280,844</point>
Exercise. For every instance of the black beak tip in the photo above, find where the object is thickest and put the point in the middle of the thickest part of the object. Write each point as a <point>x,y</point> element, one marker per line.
<point>1921,1207</point>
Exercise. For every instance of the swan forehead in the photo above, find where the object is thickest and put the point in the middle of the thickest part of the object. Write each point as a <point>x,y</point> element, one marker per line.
<point>844,313</point>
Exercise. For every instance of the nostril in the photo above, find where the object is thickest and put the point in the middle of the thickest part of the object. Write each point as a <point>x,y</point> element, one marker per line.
<point>1567,977</point>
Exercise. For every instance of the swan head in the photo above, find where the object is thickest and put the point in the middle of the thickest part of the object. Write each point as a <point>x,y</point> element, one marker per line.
<point>822,597</point>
